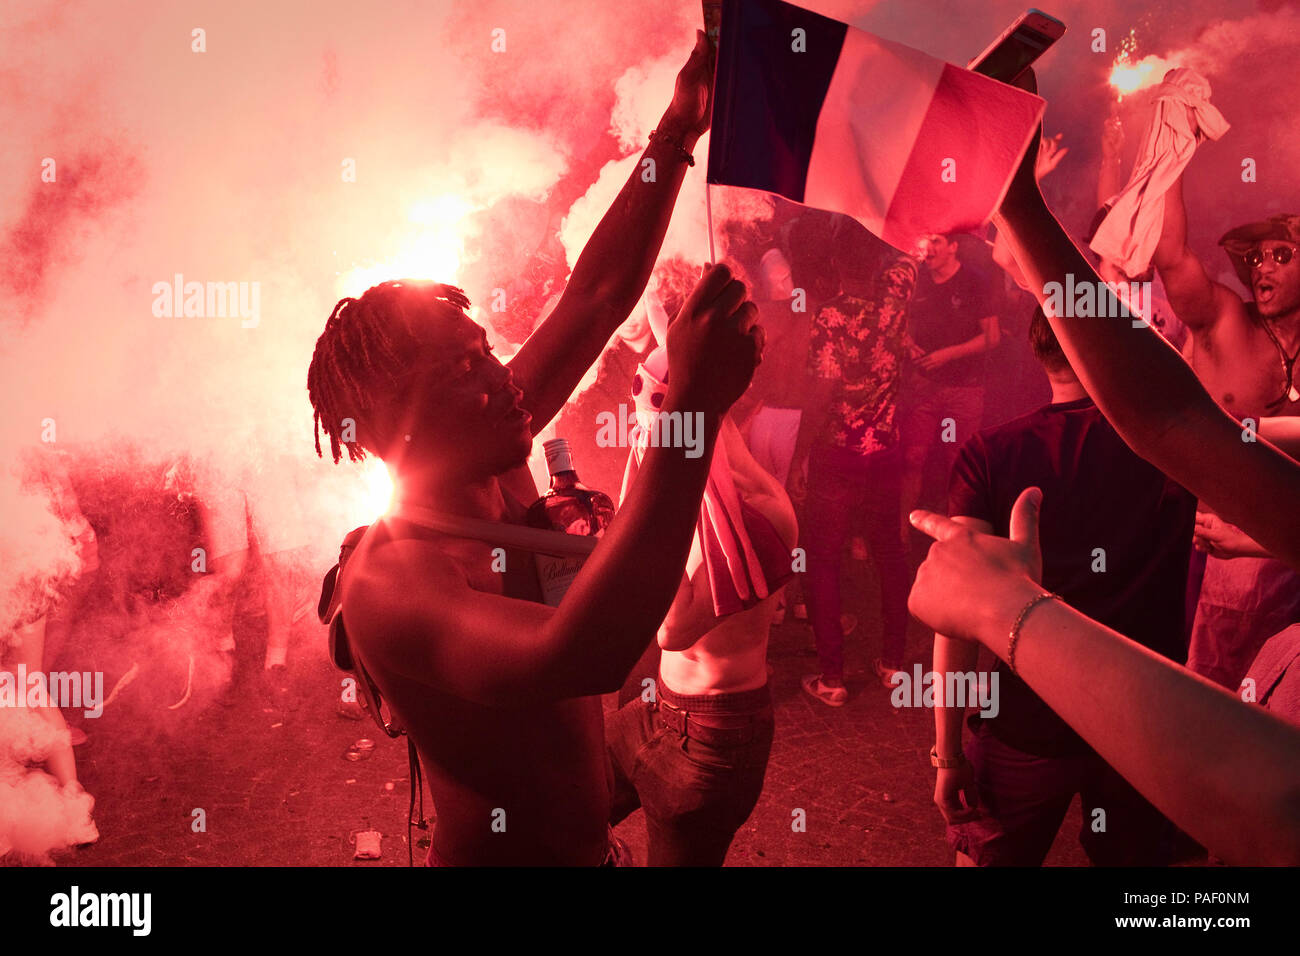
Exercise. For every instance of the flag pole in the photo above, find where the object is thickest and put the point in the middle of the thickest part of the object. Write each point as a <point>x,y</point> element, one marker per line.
<point>712,31</point>
<point>708,215</point>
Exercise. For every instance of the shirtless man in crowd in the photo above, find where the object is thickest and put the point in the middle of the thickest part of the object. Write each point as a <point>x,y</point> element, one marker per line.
<point>497,690</point>
<point>1245,353</point>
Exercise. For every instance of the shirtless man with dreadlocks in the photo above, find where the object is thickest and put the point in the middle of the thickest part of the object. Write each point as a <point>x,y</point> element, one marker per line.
<point>497,690</point>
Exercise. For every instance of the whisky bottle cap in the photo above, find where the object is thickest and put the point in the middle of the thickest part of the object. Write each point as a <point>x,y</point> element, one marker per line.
<point>558,457</point>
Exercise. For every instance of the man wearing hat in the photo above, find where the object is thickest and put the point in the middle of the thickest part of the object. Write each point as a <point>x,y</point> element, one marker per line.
<point>1245,353</point>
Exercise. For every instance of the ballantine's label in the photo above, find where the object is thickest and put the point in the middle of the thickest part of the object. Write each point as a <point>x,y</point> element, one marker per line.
<point>555,575</point>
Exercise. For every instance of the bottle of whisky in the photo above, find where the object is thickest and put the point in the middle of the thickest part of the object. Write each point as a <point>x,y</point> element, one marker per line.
<point>571,507</point>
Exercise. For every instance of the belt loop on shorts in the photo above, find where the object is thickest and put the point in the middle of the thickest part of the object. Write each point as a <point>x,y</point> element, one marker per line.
<point>674,718</point>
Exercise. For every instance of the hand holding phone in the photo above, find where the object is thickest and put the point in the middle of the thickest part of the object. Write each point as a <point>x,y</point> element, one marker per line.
<point>1007,57</point>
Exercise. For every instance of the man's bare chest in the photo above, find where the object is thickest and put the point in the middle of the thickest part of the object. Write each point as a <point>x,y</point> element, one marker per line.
<point>1244,373</point>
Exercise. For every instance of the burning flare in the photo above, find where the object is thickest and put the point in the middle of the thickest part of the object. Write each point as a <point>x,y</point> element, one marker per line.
<point>430,249</point>
<point>1127,76</point>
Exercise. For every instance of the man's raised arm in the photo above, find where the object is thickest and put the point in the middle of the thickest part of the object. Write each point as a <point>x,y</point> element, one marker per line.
<point>1197,300</point>
<point>611,274</point>
<point>1148,393</point>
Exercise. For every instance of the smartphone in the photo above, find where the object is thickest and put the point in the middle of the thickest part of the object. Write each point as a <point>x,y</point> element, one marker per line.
<point>1019,46</point>
<point>713,22</point>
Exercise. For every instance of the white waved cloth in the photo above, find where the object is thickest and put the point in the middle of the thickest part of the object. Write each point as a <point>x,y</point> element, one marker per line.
<point>1183,117</point>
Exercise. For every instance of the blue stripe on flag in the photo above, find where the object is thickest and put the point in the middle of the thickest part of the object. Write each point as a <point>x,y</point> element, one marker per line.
<point>767,97</point>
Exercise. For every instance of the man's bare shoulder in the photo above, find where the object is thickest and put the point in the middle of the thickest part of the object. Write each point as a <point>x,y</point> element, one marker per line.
<point>392,582</point>
<point>416,609</point>
<point>1233,317</point>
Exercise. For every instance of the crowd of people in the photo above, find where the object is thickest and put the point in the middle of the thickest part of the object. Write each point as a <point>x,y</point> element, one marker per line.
<point>1104,505</point>
<point>150,589</point>
<point>1066,549</point>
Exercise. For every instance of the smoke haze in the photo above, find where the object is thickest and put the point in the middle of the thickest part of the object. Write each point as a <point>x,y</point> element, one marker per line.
<point>313,149</point>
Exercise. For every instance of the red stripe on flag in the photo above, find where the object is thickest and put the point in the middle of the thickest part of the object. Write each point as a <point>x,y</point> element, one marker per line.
<point>983,126</point>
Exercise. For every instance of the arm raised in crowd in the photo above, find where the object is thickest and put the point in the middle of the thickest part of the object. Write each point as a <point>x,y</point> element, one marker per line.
<point>1149,394</point>
<point>1197,300</point>
<point>611,274</point>
<point>1224,771</point>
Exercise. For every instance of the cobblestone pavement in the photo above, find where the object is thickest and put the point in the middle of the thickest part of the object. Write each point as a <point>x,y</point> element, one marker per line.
<point>276,788</point>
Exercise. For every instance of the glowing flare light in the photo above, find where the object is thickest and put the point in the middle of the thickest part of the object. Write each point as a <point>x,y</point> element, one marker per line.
<point>377,490</point>
<point>1130,77</point>
<point>1127,76</point>
<point>430,249</point>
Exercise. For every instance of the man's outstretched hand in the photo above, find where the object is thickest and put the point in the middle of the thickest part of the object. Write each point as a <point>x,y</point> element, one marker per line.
<point>692,104</point>
<point>715,343</point>
<point>1050,154</point>
<point>966,576</point>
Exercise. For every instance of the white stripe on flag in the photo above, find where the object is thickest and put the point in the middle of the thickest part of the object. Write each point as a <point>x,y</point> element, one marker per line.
<point>883,89</point>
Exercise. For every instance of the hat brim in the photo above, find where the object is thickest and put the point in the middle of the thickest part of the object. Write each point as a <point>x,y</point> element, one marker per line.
<point>1237,242</point>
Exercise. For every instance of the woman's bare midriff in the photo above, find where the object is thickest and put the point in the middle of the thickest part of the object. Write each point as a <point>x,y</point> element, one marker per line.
<point>732,657</point>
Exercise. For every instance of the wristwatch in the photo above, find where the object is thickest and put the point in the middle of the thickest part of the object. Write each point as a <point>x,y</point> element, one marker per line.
<point>946,763</point>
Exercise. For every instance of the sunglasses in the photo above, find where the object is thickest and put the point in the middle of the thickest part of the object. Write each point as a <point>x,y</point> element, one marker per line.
<point>1280,254</point>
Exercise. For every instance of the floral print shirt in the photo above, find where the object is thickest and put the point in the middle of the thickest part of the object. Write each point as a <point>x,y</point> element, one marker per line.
<point>861,345</point>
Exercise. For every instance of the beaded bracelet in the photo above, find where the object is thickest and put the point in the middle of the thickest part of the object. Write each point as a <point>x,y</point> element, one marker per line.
<point>681,150</point>
<point>1020,619</point>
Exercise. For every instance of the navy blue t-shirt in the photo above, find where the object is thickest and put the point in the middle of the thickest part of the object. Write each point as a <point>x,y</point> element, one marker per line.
<point>945,314</point>
<point>1103,507</point>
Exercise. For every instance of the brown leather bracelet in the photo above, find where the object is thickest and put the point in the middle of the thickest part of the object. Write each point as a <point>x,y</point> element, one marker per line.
<point>681,150</point>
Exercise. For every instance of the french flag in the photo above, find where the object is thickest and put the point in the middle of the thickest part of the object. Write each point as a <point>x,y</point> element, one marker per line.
<point>834,117</point>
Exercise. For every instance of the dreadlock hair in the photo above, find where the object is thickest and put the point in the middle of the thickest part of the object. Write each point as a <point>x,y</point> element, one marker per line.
<point>364,356</point>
